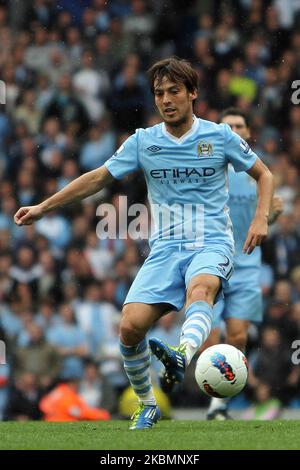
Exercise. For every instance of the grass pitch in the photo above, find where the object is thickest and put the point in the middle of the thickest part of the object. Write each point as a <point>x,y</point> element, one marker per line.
<point>168,435</point>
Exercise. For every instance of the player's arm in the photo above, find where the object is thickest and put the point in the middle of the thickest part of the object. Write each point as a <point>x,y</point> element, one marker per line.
<point>82,187</point>
<point>258,229</point>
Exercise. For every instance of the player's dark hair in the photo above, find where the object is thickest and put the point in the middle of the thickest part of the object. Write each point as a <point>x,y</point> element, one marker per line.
<point>234,112</point>
<point>176,70</point>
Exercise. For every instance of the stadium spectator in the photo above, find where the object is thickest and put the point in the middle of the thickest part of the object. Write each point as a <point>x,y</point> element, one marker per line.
<point>66,107</point>
<point>281,250</point>
<point>272,367</point>
<point>64,403</point>
<point>47,316</point>
<point>100,260</point>
<point>140,24</point>
<point>96,318</point>
<point>95,390</point>
<point>295,279</point>
<point>26,270</point>
<point>56,229</point>
<point>99,147</point>
<point>121,43</point>
<point>28,112</point>
<point>70,343</point>
<point>76,268</point>
<point>38,357</point>
<point>222,98</point>
<point>128,99</point>
<point>91,85</point>
<point>24,397</point>
<point>37,54</point>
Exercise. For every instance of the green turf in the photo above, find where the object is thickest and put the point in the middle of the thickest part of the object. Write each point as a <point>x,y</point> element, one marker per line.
<point>166,435</point>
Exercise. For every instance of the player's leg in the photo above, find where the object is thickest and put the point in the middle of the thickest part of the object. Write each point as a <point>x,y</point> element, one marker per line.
<point>236,335</point>
<point>243,306</point>
<point>200,296</point>
<point>243,303</point>
<point>137,319</point>
<point>217,409</point>
<point>203,274</point>
<point>215,334</point>
<point>157,288</point>
<point>237,332</point>
<point>159,281</point>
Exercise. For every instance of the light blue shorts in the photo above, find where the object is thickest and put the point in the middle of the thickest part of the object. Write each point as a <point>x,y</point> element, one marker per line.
<point>168,270</point>
<point>242,298</point>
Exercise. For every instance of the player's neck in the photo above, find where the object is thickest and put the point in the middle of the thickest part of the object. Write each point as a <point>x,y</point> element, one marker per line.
<point>180,129</point>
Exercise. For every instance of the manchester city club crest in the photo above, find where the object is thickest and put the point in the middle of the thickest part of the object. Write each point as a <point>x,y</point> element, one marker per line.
<point>205,149</point>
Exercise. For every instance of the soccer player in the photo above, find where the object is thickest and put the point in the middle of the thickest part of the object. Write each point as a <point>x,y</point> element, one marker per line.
<point>184,160</point>
<point>242,302</point>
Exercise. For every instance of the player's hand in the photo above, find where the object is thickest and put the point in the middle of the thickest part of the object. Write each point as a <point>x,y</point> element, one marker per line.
<point>257,233</point>
<point>276,210</point>
<point>277,205</point>
<point>27,215</point>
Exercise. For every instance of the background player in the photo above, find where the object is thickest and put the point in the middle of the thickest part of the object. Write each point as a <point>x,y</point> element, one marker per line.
<point>242,302</point>
<point>185,161</point>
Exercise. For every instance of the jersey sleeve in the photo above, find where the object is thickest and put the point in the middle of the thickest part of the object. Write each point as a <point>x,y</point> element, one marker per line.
<point>237,151</point>
<point>125,160</point>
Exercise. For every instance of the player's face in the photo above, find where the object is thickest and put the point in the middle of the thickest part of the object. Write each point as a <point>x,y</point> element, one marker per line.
<point>174,102</point>
<point>238,125</point>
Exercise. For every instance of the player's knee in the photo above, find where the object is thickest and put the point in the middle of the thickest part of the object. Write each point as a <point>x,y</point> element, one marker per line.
<point>198,292</point>
<point>130,333</point>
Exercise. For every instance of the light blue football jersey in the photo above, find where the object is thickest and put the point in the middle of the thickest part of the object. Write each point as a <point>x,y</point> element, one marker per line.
<point>186,179</point>
<point>242,204</point>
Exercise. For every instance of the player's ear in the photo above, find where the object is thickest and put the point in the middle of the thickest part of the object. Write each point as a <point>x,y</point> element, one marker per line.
<point>193,94</point>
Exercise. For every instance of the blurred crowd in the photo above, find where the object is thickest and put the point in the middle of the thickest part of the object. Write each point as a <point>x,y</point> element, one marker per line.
<point>75,89</point>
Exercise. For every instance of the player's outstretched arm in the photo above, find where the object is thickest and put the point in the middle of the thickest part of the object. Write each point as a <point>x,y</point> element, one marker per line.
<point>82,187</point>
<point>258,229</point>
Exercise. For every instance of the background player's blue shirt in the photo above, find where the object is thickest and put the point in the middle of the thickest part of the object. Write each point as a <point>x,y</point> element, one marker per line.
<point>190,172</point>
<point>242,204</point>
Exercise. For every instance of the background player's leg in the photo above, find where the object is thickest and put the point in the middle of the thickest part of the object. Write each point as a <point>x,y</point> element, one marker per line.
<point>136,320</point>
<point>218,406</point>
<point>236,335</point>
<point>237,332</point>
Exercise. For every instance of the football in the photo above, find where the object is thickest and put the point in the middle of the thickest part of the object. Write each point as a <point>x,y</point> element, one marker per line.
<point>221,371</point>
